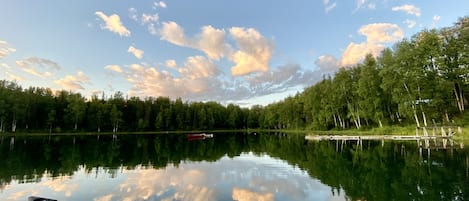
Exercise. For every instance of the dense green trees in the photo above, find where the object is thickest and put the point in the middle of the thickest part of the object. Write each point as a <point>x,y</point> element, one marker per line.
<point>40,110</point>
<point>419,81</point>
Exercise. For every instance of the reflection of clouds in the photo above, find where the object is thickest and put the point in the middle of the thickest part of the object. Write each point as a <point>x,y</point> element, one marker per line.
<point>104,198</point>
<point>247,195</point>
<point>167,184</point>
<point>245,177</point>
<point>67,186</point>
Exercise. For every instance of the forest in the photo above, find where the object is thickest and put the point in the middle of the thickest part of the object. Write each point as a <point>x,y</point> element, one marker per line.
<point>421,81</point>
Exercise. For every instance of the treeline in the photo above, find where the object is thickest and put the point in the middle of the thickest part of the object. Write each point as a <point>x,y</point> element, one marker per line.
<point>422,80</point>
<point>41,110</point>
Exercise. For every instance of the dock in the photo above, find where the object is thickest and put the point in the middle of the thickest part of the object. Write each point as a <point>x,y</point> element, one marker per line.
<point>373,137</point>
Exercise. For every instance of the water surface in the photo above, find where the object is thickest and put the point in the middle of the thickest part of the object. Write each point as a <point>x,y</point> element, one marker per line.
<point>228,167</point>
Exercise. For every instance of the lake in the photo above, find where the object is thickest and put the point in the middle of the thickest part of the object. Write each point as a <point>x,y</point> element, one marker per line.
<point>231,166</point>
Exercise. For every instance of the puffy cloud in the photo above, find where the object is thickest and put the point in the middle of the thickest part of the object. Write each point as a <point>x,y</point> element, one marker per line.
<point>5,50</point>
<point>38,66</point>
<point>173,33</point>
<point>357,52</point>
<point>195,79</point>
<point>114,68</point>
<point>113,24</point>
<point>381,32</point>
<point>410,23</point>
<point>376,36</point>
<point>171,63</point>
<point>247,195</point>
<point>327,63</point>
<point>254,51</point>
<point>160,4</point>
<point>71,82</point>
<point>198,67</point>
<point>408,8</point>
<point>136,52</point>
<point>211,41</point>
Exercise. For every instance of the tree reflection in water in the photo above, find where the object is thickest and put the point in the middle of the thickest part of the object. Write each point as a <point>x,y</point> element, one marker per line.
<point>374,171</point>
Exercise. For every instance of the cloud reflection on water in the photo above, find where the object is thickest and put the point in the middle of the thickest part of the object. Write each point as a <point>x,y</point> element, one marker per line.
<point>246,177</point>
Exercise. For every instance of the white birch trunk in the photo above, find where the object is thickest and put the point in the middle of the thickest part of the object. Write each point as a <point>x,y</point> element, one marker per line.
<point>424,119</point>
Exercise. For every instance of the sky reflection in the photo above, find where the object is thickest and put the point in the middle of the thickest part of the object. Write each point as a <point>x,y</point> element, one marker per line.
<point>246,177</point>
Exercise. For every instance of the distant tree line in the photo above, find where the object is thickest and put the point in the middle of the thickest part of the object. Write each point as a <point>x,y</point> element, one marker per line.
<point>422,80</point>
<point>41,110</point>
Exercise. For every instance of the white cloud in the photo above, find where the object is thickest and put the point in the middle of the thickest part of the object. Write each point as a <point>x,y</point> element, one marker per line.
<point>359,4</point>
<point>73,82</point>
<point>171,63</point>
<point>377,35</point>
<point>173,33</point>
<point>254,53</point>
<point>38,66</point>
<point>330,7</point>
<point>327,63</point>
<point>409,9</point>
<point>211,41</point>
<point>198,67</point>
<point>195,79</point>
<point>160,4</point>
<point>133,14</point>
<point>435,20</point>
<point>355,53</point>
<point>410,23</point>
<point>363,4</point>
<point>136,52</point>
<point>149,18</point>
<point>114,68</point>
<point>5,50</point>
<point>113,24</point>
<point>381,32</point>
<point>146,19</point>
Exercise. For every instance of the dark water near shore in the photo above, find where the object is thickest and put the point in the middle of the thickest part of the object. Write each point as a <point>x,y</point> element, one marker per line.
<point>228,167</point>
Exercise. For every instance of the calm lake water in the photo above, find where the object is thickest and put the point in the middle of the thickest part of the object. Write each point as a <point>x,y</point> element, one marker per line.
<point>228,167</point>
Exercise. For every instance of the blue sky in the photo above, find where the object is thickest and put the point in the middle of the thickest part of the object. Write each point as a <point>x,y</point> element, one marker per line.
<point>243,52</point>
